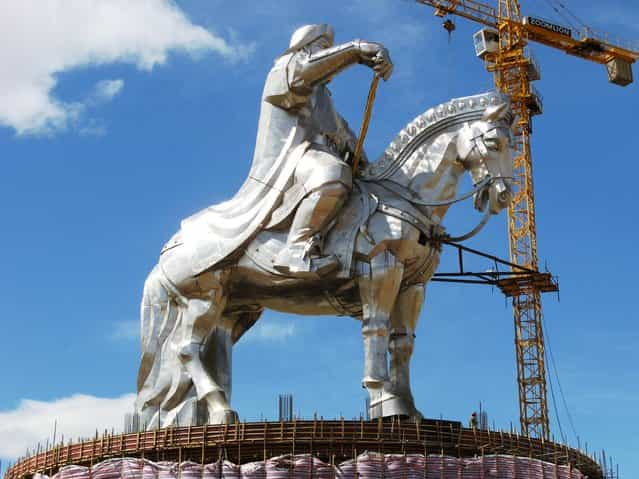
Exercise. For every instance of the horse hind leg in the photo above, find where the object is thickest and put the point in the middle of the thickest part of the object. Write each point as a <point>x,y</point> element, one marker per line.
<point>200,319</point>
<point>217,354</point>
<point>165,390</point>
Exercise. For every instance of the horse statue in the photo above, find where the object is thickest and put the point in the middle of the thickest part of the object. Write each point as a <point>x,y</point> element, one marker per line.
<point>387,238</point>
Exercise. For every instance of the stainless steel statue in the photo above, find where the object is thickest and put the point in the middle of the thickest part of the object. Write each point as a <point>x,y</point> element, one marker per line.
<point>302,236</point>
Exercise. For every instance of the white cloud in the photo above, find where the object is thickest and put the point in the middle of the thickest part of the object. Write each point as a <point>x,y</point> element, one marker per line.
<point>392,24</point>
<point>126,331</point>
<point>106,90</point>
<point>42,38</point>
<point>402,33</point>
<point>103,92</point>
<point>269,330</point>
<point>93,127</point>
<point>32,421</point>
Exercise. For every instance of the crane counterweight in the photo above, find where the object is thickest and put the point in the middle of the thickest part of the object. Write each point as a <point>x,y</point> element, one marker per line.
<point>619,72</point>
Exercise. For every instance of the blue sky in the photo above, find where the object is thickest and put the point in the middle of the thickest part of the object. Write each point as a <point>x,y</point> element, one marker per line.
<point>115,123</point>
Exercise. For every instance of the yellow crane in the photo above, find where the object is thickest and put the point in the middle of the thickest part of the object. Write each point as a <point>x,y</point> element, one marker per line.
<point>502,45</point>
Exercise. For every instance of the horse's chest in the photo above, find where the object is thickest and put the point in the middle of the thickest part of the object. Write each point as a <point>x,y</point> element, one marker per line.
<point>407,243</point>
<point>391,233</point>
<point>420,268</point>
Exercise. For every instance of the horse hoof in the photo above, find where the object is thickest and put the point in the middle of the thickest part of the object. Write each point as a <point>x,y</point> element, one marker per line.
<point>370,382</point>
<point>224,416</point>
<point>396,406</point>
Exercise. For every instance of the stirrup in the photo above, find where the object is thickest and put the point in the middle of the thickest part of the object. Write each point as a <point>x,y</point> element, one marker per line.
<point>306,266</point>
<point>325,265</point>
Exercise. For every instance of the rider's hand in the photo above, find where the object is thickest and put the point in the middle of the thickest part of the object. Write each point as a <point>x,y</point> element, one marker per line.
<point>376,56</point>
<point>362,165</point>
<point>383,64</point>
<point>350,151</point>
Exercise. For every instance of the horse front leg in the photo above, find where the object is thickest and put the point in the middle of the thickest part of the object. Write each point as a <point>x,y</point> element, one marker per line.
<point>402,339</point>
<point>378,291</point>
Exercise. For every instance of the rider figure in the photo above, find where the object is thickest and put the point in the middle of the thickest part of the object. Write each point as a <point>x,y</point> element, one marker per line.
<point>296,85</point>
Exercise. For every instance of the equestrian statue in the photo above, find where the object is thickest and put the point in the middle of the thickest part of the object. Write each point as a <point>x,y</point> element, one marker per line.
<point>317,230</point>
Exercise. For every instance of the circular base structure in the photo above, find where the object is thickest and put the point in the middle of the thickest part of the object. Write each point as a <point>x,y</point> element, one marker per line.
<point>332,441</point>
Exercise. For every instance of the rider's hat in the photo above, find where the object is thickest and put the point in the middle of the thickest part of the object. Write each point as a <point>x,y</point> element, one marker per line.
<point>307,34</point>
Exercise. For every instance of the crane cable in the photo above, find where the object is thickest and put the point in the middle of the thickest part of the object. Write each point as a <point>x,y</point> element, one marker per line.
<point>567,10</point>
<point>561,391</point>
<point>558,7</point>
<point>554,405</point>
<point>552,5</point>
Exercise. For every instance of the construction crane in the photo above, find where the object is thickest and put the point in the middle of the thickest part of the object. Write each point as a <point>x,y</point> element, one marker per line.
<point>502,46</point>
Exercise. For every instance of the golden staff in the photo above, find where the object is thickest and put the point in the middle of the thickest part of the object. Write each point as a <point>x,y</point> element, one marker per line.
<point>367,117</point>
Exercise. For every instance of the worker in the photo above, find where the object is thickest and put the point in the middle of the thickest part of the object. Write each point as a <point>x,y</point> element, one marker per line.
<point>472,422</point>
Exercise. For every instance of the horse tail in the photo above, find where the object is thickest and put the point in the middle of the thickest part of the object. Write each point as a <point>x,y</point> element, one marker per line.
<point>158,318</point>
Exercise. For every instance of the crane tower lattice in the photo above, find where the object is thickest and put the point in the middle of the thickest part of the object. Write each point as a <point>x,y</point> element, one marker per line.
<point>503,48</point>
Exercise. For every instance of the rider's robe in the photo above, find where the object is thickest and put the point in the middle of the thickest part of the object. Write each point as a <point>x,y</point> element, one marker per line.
<point>290,119</point>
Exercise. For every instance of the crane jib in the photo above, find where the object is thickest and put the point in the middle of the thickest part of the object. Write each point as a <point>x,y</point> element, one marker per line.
<point>546,25</point>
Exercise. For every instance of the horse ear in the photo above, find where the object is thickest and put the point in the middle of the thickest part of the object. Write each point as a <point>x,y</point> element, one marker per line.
<point>496,112</point>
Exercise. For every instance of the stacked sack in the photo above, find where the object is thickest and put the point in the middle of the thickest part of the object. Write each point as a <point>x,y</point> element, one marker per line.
<point>305,466</point>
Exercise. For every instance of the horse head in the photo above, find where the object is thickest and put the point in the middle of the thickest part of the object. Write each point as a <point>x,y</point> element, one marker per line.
<point>429,156</point>
<point>484,148</point>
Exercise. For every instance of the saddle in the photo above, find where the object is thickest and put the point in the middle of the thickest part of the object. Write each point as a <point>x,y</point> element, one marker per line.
<point>365,199</point>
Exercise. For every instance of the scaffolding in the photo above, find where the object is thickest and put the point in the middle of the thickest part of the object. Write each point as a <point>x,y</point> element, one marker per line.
<point>328,440</point>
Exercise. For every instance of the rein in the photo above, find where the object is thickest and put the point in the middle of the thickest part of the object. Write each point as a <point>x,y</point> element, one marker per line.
<point>478,187</point>
<point>470,234</point>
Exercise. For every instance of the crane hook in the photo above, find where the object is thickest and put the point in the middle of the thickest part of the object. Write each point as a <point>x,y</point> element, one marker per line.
<point>449,26</point>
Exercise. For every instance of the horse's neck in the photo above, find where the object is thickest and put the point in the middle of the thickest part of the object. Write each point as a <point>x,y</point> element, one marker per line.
<point>432,172</point>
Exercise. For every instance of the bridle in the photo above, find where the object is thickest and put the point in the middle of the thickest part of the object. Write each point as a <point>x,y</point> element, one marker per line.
<point>479,188</point>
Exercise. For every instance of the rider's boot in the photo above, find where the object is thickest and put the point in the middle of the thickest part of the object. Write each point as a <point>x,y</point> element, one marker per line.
<point>303,256</point>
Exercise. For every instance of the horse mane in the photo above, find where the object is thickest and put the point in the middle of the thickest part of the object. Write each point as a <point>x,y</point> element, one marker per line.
<point>426,128</point>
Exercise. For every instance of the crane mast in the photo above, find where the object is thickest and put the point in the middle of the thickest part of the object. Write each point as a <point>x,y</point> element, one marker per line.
<point>514,70</point>
<point>511,71</point>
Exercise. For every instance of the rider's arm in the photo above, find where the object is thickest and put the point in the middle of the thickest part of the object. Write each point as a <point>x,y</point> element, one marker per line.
<point>307,70</point>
